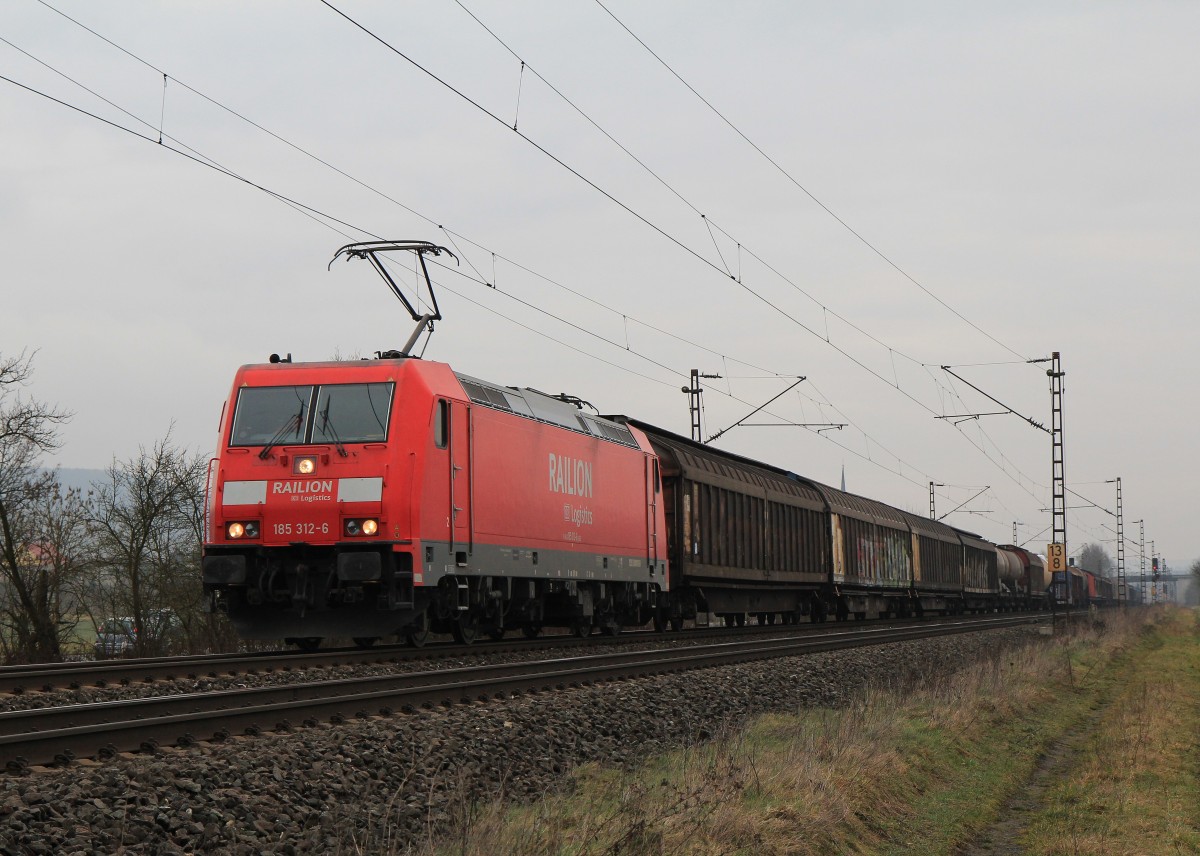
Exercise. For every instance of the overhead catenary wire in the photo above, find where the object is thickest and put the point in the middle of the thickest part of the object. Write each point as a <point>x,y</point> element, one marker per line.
<point>718,268</point>
<point>800,186</point>
<point>440,226</point>
<point>709,223</point>
<point>327,219</point>
<point>643,219</point>
<point>315,213</point>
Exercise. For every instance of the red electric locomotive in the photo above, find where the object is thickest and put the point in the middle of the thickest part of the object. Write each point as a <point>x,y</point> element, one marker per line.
<point>392,496</point>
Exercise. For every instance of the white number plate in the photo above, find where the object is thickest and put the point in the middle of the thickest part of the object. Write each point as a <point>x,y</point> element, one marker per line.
<point>301,528</point>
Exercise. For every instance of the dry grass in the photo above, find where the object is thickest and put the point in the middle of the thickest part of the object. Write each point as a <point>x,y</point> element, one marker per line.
<point>1135,786</point>
<point>912,769</point>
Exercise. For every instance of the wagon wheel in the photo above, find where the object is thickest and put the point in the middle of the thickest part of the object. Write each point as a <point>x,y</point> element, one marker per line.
<point>532,631</point>
<point>740,619</point>
<point>418,632</point>
<point>660,622</point>
<point>582,627</point>
<point>307,643</point>
<point>677,623</point>
<point>465,629</point>
<point>495,633</point>
<point>365,642</point>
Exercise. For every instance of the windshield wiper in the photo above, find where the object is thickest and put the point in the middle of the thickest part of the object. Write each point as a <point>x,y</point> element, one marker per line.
<point>327,428</point>
<point>294,423</point>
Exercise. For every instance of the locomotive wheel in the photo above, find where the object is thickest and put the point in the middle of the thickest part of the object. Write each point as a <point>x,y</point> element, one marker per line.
<point>532,631</point>
<point>465,629</point>
<point>365,641</point>
<point>418,632</point>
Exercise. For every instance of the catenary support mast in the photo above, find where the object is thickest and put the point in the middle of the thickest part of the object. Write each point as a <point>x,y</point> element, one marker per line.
<point>1121,593</point>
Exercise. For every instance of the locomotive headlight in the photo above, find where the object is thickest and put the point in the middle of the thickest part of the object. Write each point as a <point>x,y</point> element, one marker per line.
<point>370,527</point>
<point>251,529</point>
<point>352,527</point>
<point>236,530</point>
<point>305,466</point>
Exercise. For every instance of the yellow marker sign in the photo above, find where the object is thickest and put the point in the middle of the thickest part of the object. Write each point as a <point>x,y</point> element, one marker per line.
<point>1056,558</point>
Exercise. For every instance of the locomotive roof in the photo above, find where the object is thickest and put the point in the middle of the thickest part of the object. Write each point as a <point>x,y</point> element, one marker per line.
<point>532,404</point>
<point>562,411</point>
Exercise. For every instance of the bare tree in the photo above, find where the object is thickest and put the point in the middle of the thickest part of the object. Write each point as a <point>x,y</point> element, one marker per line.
<point>1095,558</point>
<point>29,597</point>
<point>143,520</point>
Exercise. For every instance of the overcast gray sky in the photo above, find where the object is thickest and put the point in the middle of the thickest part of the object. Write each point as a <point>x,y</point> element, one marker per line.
<point>1033,165</point>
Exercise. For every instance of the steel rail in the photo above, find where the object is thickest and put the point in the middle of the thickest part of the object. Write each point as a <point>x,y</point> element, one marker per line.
<point>56,735</point>
<point>44,677</point>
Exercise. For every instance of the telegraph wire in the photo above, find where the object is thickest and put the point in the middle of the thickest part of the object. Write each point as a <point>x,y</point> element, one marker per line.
<point>802,188</point>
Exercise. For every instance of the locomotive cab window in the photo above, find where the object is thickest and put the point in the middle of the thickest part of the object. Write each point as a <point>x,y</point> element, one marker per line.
<point>352,413</point>
<point>270,414</point>
<point>292,415</point>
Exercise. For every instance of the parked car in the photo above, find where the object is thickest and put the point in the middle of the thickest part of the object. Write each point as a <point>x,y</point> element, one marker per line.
<point>115,637</point>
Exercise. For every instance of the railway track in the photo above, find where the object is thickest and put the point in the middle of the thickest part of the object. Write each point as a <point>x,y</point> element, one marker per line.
<point>57,735</point>
<point>46,677</point>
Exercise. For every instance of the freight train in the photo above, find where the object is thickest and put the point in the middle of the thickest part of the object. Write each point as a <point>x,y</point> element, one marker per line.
<point>395,497</point>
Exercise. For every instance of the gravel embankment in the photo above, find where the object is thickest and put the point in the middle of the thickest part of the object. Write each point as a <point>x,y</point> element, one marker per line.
<point>334,788</point>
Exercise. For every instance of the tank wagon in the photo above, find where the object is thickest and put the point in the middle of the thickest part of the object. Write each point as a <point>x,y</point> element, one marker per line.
<point>1023,576</point>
